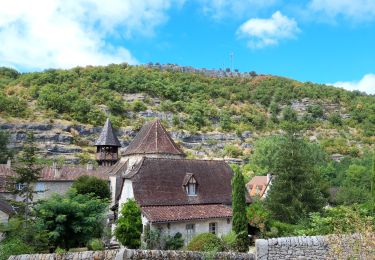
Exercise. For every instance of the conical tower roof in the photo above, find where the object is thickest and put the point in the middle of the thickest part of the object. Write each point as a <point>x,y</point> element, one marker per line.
<point>153,138</point>
<point>107,136</point>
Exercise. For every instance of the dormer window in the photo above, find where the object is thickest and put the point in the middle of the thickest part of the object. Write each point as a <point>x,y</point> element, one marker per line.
<point>190,184</point>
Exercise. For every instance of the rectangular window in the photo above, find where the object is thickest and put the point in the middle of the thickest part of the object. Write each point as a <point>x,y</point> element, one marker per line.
<point>191,189</point>
<point>212,228</point>
<point>20,186</point>
<point>39,187</point>
<point>190,230</point>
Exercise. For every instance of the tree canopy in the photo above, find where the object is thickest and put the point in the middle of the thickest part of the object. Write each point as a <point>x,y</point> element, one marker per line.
<point>71,220</point>
<point>129,225</point>
<point>92,185</point>
<point>297,187</point>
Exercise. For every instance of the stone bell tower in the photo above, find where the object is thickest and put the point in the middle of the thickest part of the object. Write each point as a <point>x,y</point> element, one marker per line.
<point>107,146</point>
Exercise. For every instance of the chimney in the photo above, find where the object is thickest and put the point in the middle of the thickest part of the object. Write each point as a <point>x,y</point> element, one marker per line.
<point>9,163</point>
<point>56,170</point>
<point>90,166</point>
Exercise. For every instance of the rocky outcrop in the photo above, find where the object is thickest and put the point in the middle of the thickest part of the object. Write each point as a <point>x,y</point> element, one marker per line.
<point>71,140</point>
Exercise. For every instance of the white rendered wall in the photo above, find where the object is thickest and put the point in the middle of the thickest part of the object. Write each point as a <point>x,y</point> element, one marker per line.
<point>201,226</point>
<point>3,217</point>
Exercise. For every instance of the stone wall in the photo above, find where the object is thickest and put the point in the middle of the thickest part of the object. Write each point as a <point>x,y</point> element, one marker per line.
<point>123,254</point>
<point>313,247</point>
<point>87,255</point>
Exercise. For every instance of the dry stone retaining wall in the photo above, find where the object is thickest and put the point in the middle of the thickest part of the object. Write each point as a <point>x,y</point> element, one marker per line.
<point>123,254</point>
<point>313,247</point>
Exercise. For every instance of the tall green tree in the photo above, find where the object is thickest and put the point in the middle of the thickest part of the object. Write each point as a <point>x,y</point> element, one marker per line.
<point>129,225</point>
<point>92,185</point>
<point>72,219</point>
<point>5,153</point>
<point>27,172</point>
<point>239,224</point>
<point>297,188</point>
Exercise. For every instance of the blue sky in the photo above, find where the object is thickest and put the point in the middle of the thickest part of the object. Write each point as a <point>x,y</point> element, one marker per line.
<point>324,41</point>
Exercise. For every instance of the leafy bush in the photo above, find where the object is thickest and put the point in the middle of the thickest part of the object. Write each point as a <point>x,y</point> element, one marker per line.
<point>14,246</point>
<point>71,219</point>
<point>316,111</point>
<point>174,243</point>
<point>13,105</point>
<point>92,185</point>
<point>95,244</point>
<point>335,119</point>
<point>138,106</point>
<point>229,241</point>
<point>205,242</point>
<point>232,151</point>
<point>129,225</point>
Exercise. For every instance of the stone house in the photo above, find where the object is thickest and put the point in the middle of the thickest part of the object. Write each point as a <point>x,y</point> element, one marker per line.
<point>175,194</point>
<point>59,178</point>
<point>53,179</point>
<point>6,210</point>
<point>258,186</point>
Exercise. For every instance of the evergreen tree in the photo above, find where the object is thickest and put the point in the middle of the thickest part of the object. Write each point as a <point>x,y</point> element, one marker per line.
<point>27,172</point>
<point>297,188</point>
<point>239,224</point>
<point>5,153</point>
<point>129,225</point>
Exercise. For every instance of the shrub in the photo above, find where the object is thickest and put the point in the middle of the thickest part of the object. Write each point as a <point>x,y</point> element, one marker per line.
<point>174,243</point>
<point>335,119</point>
<point>14,246</point>
<point>205,242</point>
<point>138,106</point>
<point>232,151</point>
<point>129,225</point>
<point>229,241</point>
<point>316,111</point>
<point>95,244</point>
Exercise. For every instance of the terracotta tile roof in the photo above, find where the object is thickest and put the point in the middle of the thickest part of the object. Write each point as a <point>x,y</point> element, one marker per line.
<point>160,182</point>
<point>257,186</point>
<point>153,138</point>
<point>186,212</point>
<point>6,207</point>
<point>71,173</point>
<point>107,136</point>
<point>64,173</point>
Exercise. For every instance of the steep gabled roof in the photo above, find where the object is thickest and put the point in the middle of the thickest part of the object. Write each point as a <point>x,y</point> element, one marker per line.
<point>65,173</point>
<point>153,138</point>
<point>107,136</point>
<point>159,182</point>
<point>6,207</point>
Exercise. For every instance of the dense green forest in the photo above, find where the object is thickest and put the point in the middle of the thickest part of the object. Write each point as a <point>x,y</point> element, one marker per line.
<point>198,100</point>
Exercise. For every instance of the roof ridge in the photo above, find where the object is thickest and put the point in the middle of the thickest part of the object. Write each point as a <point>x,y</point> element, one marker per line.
<point>185,159</point>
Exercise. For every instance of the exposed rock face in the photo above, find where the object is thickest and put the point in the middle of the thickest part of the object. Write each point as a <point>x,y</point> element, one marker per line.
<point>71,140</point>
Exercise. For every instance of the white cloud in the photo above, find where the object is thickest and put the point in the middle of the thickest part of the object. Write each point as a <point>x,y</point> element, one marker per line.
<point>366,84</point>
<point>218,9</point>
<point>67,33</point>
<point>356,10</point>
<point>266,32</point>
